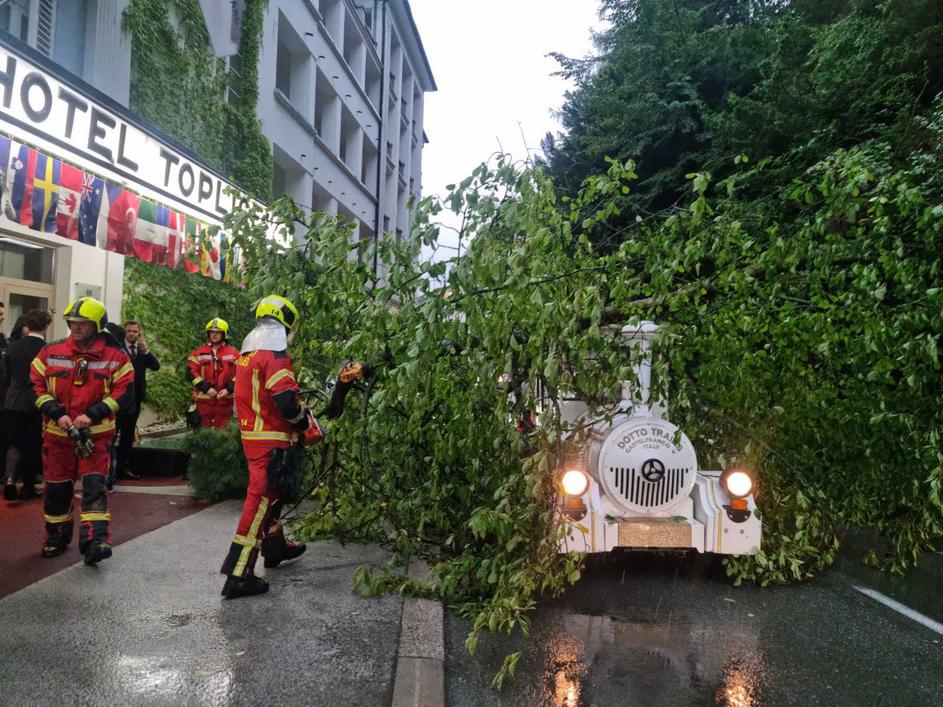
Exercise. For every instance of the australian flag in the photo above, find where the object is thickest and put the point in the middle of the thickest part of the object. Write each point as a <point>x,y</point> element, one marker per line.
<point>35,189</point>
<point>89,207</point>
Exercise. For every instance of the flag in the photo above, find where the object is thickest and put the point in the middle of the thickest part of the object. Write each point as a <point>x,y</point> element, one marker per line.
<point>35,190</point>
<point>6,208</point>
<point>90,205</point>
<point>209,257</point>
<point>175,241</point>
<point>191,246</point>
<point>150,236</point>
<point>116,229</point>
<point>70,198</point>
<point>156,234</point>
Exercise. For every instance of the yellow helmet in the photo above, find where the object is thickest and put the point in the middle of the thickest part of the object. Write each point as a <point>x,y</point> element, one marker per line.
<point>87,309</point>
<point>279,308</point>
<point>217,324</point>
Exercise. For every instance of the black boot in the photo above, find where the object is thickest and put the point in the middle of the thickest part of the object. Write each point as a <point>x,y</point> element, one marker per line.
<point>54,550</point>
<point>9,491</point>
<point>250,586</point>
<point>96,551</point>
<point>288,551</point>
<point>28,492</point>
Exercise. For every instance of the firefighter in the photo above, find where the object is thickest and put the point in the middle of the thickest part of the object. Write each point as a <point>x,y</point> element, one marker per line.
<point>213,372</point>
<point>271,420</point>
<point>80,383</point>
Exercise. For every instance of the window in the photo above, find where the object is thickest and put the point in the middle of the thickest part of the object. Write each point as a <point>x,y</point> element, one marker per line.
<point>294,70</point>
<point>283,70</point>
<point>14,18</point>
<point>24,261</point>
<point>279,180</point>
<point>45,26</point>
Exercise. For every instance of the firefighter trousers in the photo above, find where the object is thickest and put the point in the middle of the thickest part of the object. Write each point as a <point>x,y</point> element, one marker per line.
<point>214,413</point>
<point>61,468</point>
<point>258,529</point>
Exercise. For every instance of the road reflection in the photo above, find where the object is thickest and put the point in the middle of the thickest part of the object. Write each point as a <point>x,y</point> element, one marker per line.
<point>651,662</point>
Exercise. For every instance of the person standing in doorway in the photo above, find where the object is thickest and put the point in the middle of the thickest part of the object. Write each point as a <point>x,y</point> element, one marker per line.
<point>143,361</point>
<point>213,373</point>
<point>26,426</point>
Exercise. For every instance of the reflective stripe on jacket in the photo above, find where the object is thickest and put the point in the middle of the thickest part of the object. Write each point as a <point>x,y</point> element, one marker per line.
<point>212,369</point>
<point>71,381</point>
<point>261,375</point>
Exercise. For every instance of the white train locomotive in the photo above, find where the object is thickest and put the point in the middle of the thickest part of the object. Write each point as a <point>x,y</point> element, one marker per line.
<point>635,482</point>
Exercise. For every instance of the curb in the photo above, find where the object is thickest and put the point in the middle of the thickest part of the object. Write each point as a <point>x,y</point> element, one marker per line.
<point>420,658</point>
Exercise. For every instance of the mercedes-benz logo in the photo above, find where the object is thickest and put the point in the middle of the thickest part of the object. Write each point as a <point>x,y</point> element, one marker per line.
<point>653,470</point>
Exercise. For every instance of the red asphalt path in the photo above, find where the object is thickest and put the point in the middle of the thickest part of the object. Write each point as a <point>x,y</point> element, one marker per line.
<point>133,514</point>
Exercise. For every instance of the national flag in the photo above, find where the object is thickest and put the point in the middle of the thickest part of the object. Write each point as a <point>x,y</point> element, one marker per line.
<point>35,191</point>
<point>4,165</point>
<point>90,204</point>
<point>156,226</point>
<point>223,256</point>
<point>118,221</point>
<point>150,237</point>
<point>174,238</point>
<point>70,197</point>
<point>209,257</point>
<point>191,245</point>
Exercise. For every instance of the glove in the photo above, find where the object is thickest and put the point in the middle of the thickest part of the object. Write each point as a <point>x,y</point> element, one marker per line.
<point>84,445</point>
<point>312,434</point>
<point>349,374</point>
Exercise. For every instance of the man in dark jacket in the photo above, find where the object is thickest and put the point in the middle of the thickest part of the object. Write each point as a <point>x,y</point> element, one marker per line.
<point>26,427</point>
<point>9,489</point>
<point>143,360</point>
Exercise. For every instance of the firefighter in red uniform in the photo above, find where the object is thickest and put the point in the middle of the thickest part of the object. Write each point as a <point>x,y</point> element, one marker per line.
<point>80,382</point>
<point>213,371</point>
<point>271,420</point>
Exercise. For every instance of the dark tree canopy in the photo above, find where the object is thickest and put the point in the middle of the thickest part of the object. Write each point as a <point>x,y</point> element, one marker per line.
<point>688,85</point>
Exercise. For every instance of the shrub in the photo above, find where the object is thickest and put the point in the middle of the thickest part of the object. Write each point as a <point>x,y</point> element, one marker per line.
<point>218,467</point>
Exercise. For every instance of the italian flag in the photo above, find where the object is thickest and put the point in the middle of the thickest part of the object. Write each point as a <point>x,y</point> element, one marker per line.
<point>157,234</point>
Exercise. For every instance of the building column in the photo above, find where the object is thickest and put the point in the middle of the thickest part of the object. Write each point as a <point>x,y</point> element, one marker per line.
<point>107,60</point>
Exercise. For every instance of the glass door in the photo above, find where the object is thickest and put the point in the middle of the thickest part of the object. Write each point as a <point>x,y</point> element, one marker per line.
<point>19,299</point>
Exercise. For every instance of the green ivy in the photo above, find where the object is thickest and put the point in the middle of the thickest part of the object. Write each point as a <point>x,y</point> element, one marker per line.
<point>178,83</point>
<point>173,307</point>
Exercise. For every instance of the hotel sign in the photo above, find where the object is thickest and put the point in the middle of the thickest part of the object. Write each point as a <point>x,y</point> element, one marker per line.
<point>38,108</point>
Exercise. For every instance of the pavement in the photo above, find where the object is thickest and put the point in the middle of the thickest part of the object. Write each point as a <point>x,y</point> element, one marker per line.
<point>642,629</point>
<point>148,627</point>
<point>23,530</point>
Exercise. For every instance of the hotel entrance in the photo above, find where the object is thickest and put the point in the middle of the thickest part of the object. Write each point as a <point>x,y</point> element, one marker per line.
<point>26,278</point>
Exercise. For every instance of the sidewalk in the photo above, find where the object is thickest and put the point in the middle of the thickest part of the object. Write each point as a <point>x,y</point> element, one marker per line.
<point>148,627</point>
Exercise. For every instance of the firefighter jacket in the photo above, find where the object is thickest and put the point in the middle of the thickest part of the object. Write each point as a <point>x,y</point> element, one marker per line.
<point>267,404</point>
<point>212,369</point>
<point>94,381</point>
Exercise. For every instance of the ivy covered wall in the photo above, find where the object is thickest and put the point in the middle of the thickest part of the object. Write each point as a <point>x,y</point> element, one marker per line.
<point>173,307</point>
<point>178,84</point>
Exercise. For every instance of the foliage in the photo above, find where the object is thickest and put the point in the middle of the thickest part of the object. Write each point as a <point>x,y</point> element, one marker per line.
<point>173,65</point>
<point>686,85</point>
<point>218,468</point>
<point>173,307</point>
<point>802,339</point>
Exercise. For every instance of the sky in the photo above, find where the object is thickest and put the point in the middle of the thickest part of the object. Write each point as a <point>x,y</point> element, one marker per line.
<point>495,88</point>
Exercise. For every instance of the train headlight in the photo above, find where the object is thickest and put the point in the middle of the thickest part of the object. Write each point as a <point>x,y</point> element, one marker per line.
<point>738,482</point>
<point>574,482</point>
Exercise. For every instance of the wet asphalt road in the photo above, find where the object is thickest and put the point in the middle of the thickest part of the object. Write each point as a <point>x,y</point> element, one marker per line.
<point>647,630</point>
